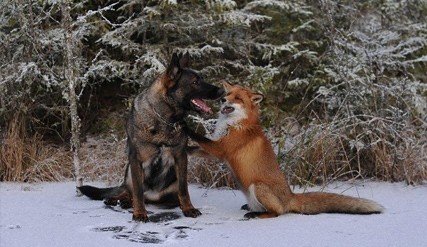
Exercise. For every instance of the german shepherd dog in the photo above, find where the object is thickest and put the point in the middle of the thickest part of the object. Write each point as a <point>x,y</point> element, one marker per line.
<point>157,141</point>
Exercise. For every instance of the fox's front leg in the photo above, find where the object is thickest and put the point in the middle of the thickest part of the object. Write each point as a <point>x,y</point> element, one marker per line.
<point>196,136</point>
<point>197,152</point>
<point>209,146</point>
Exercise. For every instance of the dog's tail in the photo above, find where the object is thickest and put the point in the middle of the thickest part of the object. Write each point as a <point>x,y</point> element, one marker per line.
<point>95,193</point>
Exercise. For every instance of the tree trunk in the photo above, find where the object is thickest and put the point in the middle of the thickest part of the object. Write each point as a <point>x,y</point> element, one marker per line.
<point>72,82</point>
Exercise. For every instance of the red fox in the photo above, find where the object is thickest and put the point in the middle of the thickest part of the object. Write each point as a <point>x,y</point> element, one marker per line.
<point>238,139</point>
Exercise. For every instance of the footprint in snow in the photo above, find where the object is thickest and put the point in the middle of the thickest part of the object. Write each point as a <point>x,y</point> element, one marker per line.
<point>153,237</point>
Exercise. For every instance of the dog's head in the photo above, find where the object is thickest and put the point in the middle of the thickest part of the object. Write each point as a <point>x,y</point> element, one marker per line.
<point>187,87</point>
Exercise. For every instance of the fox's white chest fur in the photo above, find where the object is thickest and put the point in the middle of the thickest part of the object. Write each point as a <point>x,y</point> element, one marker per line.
<point>226,120</point>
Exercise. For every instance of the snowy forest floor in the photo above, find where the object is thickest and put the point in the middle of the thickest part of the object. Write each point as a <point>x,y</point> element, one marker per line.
<point>50,214</point>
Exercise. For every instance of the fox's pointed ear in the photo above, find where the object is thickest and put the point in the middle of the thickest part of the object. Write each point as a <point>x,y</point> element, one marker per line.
<point>184,61</point>
<point>173,68</point>
<point>257,98</point>
<point>227,86</point>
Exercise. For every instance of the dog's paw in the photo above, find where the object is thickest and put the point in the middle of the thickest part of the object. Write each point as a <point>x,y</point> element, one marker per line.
<point>192,213</point>
<point>110,202</point>
<point>140,217</point>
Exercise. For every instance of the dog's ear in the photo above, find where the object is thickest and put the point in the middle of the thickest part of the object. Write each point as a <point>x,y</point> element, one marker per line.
<point>184,61</point>
<point>257,98</point>
<point>227,86</point>
<point>174,67</point>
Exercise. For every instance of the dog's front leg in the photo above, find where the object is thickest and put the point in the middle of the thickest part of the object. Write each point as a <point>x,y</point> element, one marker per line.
<point>183,195</point>
<point>137,176</point>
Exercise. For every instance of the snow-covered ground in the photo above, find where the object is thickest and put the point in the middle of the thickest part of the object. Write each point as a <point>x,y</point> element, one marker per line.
<point>50,214</point>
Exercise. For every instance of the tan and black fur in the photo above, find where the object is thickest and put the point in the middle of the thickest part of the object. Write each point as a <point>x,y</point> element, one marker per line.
<point>240,140</point>
<point>156,142</point>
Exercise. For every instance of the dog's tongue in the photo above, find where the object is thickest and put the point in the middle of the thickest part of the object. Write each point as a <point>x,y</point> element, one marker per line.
<point>202,105</point>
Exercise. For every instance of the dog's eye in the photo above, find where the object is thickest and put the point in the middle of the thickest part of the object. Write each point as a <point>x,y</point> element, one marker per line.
<point>196,82</point>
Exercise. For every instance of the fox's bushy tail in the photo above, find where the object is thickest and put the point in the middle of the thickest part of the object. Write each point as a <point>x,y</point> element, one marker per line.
<point>322,202</point>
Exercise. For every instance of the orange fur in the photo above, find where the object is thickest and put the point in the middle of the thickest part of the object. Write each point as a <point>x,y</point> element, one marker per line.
<point>241,142</point>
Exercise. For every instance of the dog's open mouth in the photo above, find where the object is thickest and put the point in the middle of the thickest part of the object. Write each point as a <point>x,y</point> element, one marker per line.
<point>227,109</point>
<point>201,105</point>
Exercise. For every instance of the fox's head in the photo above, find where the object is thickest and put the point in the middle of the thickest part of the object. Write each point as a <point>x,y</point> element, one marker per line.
<point>240,103</point>
<point>239,108</point>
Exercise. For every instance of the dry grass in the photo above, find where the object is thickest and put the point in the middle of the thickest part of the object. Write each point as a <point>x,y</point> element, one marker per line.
<point>210,173</point>
<point>32,160</point>
<point>53,164</point>
<point>323,154</point>
<point>309,155</point>
<point>104,159</point>
<point>29,159</point>
<point>319,161</point>
<point>13,152</point>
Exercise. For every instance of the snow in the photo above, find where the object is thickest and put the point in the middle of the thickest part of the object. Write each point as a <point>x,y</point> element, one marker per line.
<point>49,214</point>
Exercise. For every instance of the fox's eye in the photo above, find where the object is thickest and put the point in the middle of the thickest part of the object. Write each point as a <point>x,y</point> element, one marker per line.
<point>238,98</point>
